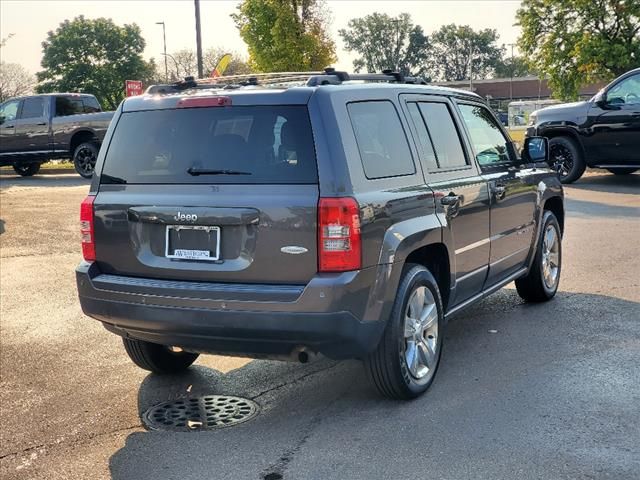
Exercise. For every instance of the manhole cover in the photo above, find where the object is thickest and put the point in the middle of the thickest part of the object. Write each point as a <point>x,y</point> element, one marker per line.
<point>201,413</point>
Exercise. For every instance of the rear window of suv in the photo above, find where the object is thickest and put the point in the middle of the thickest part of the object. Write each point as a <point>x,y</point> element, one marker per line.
<point>240,144</point>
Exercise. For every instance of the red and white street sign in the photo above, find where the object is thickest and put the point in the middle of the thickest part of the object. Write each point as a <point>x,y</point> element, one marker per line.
<point>133,87</point>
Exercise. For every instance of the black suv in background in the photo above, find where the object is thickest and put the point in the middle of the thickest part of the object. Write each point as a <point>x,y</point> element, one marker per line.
<point>342,218</point>
<point>39,128</point>
<point>603,132</point>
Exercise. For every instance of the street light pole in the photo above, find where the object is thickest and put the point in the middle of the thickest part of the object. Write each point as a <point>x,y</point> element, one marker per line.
<point>198,39</point>
<point>164,40</point>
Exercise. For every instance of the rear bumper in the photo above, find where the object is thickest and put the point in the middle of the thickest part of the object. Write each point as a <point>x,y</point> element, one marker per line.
<point>329,315</point>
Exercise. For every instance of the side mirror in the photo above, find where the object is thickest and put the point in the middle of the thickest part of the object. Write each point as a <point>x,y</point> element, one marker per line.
<point>601,99</point>
<point>1,119</point>
<point>536,149</point>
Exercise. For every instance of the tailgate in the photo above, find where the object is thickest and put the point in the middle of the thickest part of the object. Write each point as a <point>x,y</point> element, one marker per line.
<point>139,228</point>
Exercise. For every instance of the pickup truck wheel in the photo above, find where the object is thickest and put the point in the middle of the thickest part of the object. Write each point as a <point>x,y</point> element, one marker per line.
<point>406,360</point>
<point>26,169</point>
<point>84,159</point>
<point>157,358</point>
<point>541,283</point>
<point>622,171</point>
<point>566,159</point>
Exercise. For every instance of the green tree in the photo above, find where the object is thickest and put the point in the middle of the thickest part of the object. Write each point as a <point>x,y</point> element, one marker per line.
<point>516,67</point>
<point>577,41</point>
<point>385,42</point>
<point>456,48</point>
<point>285,35</point>
<point>93,56</point>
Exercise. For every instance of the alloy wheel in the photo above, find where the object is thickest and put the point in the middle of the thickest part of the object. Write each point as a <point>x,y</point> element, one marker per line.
<point>421,333</point>
<point>562,160</point>
<point>550,257</point>
<point>86,160</point>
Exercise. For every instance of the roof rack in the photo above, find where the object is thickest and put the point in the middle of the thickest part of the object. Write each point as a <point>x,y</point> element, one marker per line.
<point>330,76</point>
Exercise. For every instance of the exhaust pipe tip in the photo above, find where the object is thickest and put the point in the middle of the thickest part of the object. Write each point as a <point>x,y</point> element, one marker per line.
<point>303,355</point>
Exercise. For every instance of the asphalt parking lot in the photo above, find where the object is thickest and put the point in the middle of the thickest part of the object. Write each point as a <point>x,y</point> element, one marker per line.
<point>524,391</point>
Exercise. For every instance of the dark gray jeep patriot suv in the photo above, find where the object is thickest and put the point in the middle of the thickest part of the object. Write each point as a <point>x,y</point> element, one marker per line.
<point>345,215</point>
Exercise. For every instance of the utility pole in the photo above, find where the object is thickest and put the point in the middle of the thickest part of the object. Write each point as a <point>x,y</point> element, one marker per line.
<point>511,72</point>
<point>198,39</point>
<point>164,41</point>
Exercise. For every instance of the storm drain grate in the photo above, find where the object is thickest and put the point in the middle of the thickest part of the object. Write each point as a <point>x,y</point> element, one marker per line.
<point>201,413</point>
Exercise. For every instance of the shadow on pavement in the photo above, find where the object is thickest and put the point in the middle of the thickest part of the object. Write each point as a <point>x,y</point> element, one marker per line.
<point>610,183</point>
<point>547,389</point>
<point>56,180</point>
<point>598,209</point>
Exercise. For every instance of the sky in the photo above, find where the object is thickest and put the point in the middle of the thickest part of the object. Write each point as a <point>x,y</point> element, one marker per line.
<point>30,20</point>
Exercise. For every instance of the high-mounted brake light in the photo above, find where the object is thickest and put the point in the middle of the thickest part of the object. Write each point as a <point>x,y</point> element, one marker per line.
<point>86,229</point>
<point>195,102</point>
<point>339,247</point>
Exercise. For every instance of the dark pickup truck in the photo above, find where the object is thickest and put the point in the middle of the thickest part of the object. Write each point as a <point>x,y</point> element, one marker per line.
<point>39,128</point>
<point>603,132</point>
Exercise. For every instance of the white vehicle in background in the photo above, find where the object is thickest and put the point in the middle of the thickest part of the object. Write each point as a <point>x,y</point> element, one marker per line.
<point>518,116</point>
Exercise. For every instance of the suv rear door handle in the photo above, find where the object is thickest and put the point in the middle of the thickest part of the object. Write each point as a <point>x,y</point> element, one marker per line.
<point>450,200</point>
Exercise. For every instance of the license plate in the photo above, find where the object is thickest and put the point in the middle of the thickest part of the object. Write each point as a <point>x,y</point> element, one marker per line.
<point>192,242</point>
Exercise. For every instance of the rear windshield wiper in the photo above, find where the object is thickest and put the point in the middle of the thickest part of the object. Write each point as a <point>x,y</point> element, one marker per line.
<point>204,171</point>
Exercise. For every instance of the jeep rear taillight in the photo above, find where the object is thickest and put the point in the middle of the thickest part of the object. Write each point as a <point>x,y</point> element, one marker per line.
<point>338,235</point>
<point>86,229</point>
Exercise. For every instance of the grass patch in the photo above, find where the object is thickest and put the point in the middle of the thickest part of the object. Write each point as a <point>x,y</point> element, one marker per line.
<point>63,164</point>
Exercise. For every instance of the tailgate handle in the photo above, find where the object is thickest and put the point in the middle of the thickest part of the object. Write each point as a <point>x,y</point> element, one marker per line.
<point>195,215</point>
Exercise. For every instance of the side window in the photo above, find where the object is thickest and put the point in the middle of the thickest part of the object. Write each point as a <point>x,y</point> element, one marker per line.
<point>91,105</point>
<point>9,111</point>
<point>626,92</point>
<point>381,140</point>
<point>32,108</point>
<point>68,106</point>
<point>428,154</point>
<point>444,135</point>
<point>487,139</point>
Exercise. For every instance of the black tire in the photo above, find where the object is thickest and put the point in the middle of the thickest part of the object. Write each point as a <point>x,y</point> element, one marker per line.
<point>566,158</point>
<point>387,365</point>
<point>533,287</point>
<point>26,169</point>
<point>157,358</point>
<point>622,171</point>
<point>84,159</point>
